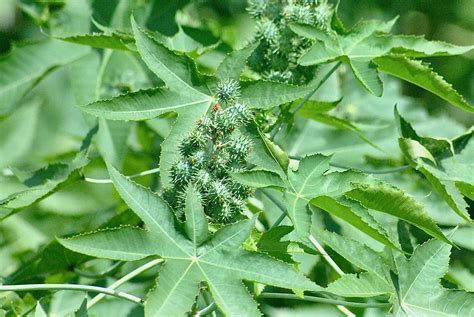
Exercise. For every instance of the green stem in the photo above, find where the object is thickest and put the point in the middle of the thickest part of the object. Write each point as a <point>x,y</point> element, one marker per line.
<point>323,300</point>
<point>109,181</point>
<point>207,310</point>
<point>211,307</point>
<point>300,104</point>
<point>279,205</point>
<point>312,239</point>
<point>124,279</point>
<point>71,287</point>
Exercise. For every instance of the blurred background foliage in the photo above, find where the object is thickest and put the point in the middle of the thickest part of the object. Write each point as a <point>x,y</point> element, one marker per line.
<point>450,21</point>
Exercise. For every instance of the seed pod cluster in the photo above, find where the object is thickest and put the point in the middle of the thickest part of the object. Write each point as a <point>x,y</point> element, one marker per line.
<point>214,148</point>
<point>276,58</point>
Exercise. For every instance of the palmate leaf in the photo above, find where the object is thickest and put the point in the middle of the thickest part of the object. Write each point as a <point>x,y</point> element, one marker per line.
<point>187,93</point>
<point>26,65</point>
<point>46,180</point>
<point>446,164</point>
<point>369,42</point>
<point>419,290</point>
<point>219,261</point>
<point>347,195</point>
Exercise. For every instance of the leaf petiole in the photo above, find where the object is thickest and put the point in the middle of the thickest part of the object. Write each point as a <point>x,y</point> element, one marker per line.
<point>109,181</point>
<point>72,287</point>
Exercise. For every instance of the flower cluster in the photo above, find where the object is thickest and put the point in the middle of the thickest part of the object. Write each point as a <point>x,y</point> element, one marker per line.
<point>276,58</point>
<point>214,148</point>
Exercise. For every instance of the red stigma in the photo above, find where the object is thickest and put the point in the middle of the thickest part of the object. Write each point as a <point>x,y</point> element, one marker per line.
<point>216,107</point>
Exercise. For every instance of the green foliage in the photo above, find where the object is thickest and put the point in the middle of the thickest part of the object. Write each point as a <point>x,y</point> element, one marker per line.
<point>419,290</point>
<point>210,152</point>
<point>27,65</point>
<point>44,181</point>
<point>276,56</point>
<point>435,158</point>
<point>281,164</point>
<point>370,42</point>
<point>220,261</point>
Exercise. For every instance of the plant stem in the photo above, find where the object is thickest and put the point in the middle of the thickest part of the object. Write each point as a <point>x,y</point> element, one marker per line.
<point>323,300</point>
<point>279,205</point>
<point>279,220</point>
<point>109,181</point>
<point>124,279</point>
<point>340,303</point>
<point>325,255</point>
<point>323,80</point>
<point>300,104</point>
<point>312,239</point>
<point>71,287</point>
<point>207,310</point>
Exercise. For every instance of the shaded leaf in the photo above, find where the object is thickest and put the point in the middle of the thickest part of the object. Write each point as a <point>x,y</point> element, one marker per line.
<point>26,65</point>
<point>45,181</point>
<point>422,75</point>
<point>449,173</point>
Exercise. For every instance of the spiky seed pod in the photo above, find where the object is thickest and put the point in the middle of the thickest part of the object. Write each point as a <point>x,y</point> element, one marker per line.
<point>171,196</point>
<point>197,140</point>
<point>198,159</point>
<point>309,2</point>
<point>202,179</point>
<point>278,76</point>
<point>268,31</point>
<point>240,191</point>
<point>233,118</point>
<point>240,146</point>
<point>227,213</point>
<point>242,113</point>
<point>280,48</point>
<point>181,173</point>
<point>218,192</point>
<point>209,153</point>
<point>299,14</point>
<point>228,91</point>
<point>323,15</point>
<point>256,8</point>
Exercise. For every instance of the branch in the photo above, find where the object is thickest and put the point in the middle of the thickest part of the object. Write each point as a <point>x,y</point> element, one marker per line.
<point>109,181</point>
<point>323,300</point>
<point>278,127</point>
<point>71,287</point>
<point>211,307</point>
<point>312,239</point>
<point>124,279</point>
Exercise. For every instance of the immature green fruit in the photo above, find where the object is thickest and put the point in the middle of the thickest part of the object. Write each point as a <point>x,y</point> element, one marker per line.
<point>213,149</point>
<point>228,91</point>
<point>276,57</point>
